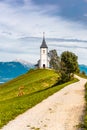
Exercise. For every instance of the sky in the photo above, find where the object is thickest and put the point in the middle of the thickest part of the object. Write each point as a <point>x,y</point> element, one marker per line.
<point>22,23</point>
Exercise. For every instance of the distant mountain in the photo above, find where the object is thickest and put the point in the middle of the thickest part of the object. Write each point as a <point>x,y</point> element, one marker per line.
<point>83,68</point>
<point>10,70</point>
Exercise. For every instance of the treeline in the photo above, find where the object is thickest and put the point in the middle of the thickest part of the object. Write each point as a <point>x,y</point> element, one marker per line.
<point>66,65</point>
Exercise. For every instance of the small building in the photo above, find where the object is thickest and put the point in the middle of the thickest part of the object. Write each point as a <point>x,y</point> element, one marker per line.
<point>44,59</point>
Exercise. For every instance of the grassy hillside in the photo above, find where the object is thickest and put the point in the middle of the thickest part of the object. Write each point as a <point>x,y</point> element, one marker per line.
<point>83,125</point>
<point>82,75</point>
<point>26,91</point>
<point>33,81</point>
<point>85,117</point>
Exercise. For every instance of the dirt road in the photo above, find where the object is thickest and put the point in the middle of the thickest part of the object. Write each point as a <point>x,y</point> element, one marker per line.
<point>61,111</point>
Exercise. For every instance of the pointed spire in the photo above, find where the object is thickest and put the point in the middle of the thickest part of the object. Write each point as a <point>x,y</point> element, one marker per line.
<point>43,42</point>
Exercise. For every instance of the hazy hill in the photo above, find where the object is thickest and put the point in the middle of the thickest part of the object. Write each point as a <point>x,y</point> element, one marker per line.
<point>10,70</point>
<point>83,68</point>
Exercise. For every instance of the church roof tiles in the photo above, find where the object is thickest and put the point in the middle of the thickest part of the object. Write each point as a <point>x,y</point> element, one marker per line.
<point>43,45</point>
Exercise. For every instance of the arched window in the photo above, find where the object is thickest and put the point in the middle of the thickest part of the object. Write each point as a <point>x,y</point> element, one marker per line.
<point>43,51</point>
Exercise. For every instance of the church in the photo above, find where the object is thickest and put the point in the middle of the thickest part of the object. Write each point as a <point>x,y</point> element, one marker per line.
<point>44,59</point>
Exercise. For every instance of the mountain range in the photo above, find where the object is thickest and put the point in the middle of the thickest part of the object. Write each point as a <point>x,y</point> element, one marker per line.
<point>83,68</point>
<point>10,70</point>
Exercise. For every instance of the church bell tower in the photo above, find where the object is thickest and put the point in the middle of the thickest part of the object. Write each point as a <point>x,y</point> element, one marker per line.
<point>44,54</point>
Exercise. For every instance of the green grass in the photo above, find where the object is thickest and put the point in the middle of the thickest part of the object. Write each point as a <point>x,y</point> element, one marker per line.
<point>84,124</point>
<point>37,85</point>
<point>82,75</point>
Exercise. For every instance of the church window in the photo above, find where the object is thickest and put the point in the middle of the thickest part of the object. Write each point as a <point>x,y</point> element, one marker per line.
<point>43,51</point>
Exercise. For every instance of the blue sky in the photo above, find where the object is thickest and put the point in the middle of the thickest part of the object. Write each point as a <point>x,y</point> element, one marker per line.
<point>75,10</point>
<point>22,23</point>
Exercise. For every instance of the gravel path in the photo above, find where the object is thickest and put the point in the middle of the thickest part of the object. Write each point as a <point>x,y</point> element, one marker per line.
<point>61,111</point>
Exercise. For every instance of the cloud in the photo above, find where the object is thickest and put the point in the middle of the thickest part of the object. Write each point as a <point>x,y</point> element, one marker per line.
<point>22,20</point>
<point>22,25</point>
<point>85,0</point>
<point>85,15</point>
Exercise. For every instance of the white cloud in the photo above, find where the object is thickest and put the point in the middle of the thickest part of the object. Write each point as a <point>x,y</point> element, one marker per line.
<point>85,15</point>
<point>30,20</point>
<point>85,0</point>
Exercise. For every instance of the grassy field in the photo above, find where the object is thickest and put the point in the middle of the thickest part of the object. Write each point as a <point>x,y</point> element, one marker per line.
<point>26,91</point>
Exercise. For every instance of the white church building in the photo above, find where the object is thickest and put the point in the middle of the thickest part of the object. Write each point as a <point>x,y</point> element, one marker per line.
<point>44,59</point>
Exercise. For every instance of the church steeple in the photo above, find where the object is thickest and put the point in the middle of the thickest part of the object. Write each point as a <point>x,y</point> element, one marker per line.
<point>44,63</point>
<point>43,45</point>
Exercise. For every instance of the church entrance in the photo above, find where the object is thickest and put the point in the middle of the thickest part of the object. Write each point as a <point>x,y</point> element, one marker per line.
<point>44,66</point>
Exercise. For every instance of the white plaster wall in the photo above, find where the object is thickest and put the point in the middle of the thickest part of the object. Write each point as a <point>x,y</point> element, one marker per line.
<point>43,57</point>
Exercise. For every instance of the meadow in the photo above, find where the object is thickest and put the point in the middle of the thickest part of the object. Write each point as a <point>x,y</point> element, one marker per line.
<point>25,91</point>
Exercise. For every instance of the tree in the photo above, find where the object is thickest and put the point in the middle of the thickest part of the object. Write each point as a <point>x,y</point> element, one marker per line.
<point>83,73</point>
<point>54,60</point>
<point>69,63</point>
